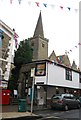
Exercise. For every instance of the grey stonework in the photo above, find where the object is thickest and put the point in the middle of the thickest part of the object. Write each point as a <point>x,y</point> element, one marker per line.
<point>39,45</point>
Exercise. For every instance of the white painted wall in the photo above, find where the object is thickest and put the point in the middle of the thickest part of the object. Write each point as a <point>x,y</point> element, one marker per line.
<point>7,30</point>
<point>79,85</point>
<point>39,79</point>
<point>56,76</point>
<point>9,59</point>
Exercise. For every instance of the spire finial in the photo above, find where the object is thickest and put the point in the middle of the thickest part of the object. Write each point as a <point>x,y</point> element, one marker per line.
<point>39,27</point>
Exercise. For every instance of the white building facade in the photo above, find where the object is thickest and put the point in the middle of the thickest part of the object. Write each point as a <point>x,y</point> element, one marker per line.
<point>53,78</point>
<point>6,53</point>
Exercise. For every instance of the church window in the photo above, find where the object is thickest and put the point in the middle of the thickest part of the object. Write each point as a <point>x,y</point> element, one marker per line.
<point>43,45</point>
<point>68,74</point>
<point>32,44</point>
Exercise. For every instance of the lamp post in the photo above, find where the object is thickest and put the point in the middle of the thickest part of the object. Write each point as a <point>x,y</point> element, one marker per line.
<point>32,96</point>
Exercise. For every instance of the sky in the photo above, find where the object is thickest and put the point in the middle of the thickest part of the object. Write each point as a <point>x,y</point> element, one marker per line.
<point>61,26</point>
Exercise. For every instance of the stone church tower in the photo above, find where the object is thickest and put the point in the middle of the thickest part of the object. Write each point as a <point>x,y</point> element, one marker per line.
<point>38,42</point>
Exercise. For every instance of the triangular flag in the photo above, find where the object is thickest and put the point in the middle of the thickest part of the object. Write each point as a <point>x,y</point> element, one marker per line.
<point>70,50</point>
<point>76,46</point>
<point>37,3</point>
<point>79,43</point>
<point>61,7</point>
<point>45,5</point>
<point>11,1</point>
<point>19,1</point>
<point>69,8</point>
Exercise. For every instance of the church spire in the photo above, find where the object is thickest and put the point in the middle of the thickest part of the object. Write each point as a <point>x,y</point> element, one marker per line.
<point>39,27</point>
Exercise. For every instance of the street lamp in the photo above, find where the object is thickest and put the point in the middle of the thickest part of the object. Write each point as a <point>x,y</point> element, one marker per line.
<point>32,75</point>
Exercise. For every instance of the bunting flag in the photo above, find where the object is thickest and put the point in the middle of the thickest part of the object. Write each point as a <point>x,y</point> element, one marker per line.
<point>76,46</point>
<point>38,4</point>
<point>11,1</point>
<point>79,43</point>
<point>71,50</point>
<point>15,38</point>
<point>19,1</point>
<point>69,8</point>
<point>45,5</point>
<point>61,7</point>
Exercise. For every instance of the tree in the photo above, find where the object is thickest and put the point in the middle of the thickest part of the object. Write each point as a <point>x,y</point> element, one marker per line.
<point>23,55</point>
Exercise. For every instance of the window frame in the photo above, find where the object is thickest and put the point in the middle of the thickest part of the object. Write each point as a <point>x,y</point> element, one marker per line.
<point>68,74</point>
<point>43,45</point>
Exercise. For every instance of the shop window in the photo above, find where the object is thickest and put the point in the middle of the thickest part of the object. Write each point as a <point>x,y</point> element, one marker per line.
<point>68,74</point>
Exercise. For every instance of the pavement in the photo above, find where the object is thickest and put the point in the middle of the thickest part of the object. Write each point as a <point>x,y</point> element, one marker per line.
<point>8,112</point>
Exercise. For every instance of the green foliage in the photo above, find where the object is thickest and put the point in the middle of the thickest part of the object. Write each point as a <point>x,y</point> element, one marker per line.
<point>23,54</point>
<point>13,81</point>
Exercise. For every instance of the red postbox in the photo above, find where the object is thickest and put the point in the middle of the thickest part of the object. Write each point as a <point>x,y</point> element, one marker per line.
<point>5,97</point>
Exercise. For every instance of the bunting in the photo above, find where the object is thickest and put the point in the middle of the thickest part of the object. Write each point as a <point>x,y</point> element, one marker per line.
<point>46,5</point>
<point>69,8</point>
<point>37,3</point>
<point>61,7</point>
<point>11,1</point>
<point>71,50</point>
<point>19,1</point>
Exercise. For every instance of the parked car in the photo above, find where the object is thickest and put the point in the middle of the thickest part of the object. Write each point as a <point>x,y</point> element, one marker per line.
<point>79,97</point>
<point>80,100</point>
<point>64,101</point>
